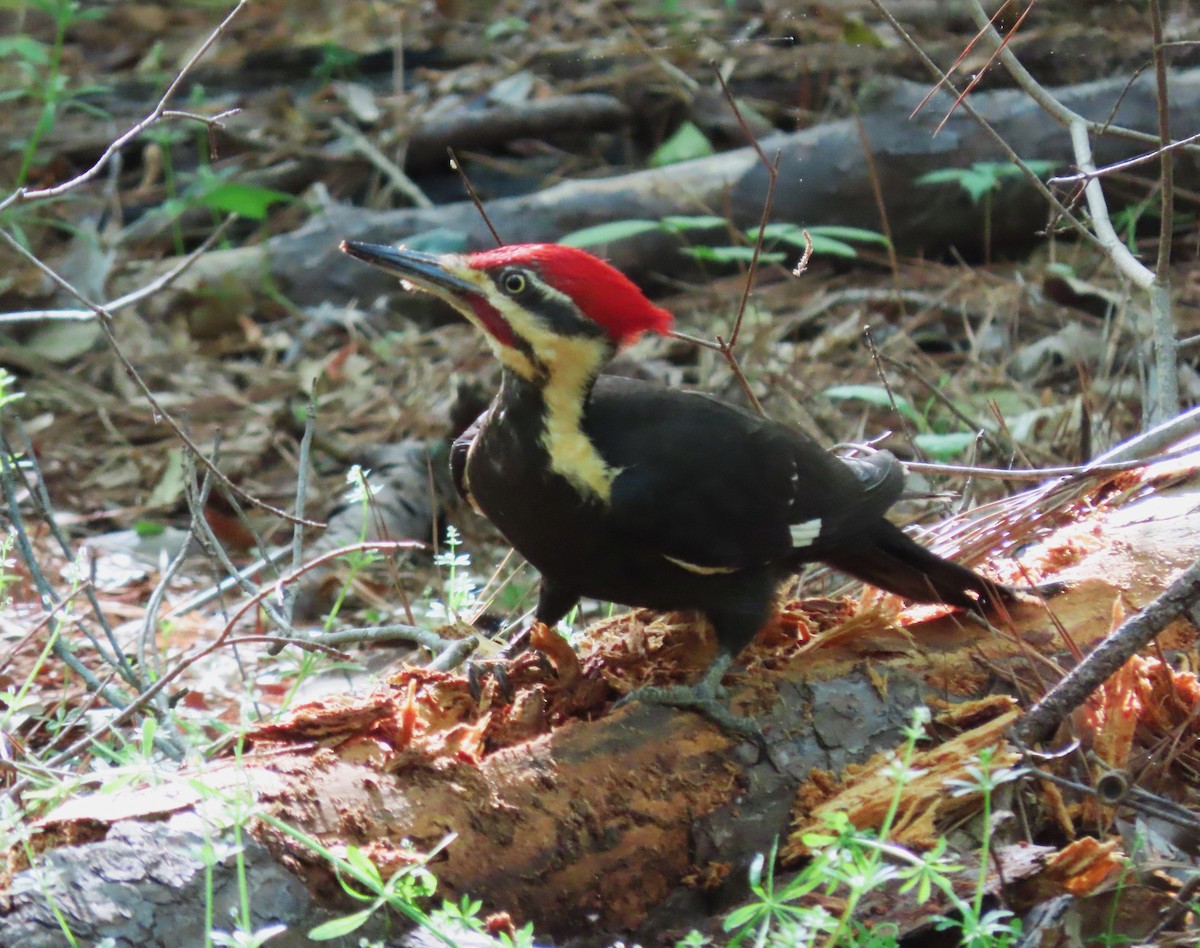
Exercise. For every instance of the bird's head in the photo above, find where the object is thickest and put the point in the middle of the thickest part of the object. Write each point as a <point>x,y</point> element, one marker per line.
<point>544,308</point>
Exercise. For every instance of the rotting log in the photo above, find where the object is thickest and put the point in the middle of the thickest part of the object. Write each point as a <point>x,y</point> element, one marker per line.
<point>590,828</point>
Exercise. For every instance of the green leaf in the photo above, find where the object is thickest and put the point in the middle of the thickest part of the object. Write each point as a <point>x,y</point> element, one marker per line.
<point>944,447</point>
<point>873,395</point>
<point>983,176</point>
<point>941,176</point>
<point>607,233</point>
<point>732,255</point>
<point>858,234</point>
<point>857,33</point>
<point>834,248</point>
<point>680,222</point>
<point>25,48</point>
<point>505,26</point>
<point>340,927</point>
<point>741,915</point>
<point>687,143</point>
<point>367,871</point>
<point>826,238</point>
<point>756,869</point>
<point>788,233</point>
<point>247,200</point>
<point>148,528</point>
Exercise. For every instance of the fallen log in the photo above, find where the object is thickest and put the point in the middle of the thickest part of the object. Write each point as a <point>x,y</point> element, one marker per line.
<point>590,823</point>
<point>824,178</point>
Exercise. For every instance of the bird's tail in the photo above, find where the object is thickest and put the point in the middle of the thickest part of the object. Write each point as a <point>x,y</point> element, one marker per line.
<point>898,564</point>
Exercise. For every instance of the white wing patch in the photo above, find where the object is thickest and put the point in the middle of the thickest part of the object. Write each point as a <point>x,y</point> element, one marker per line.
<point>805,533</point>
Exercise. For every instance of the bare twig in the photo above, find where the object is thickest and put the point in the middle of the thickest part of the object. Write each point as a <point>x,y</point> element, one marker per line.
<point>979,74</point>
<point>396,632</point>
<point>36,486</point>
<point>260,595</point>
<point>1081,177</point>
<point>944,78</point>
<point>772,167</point>
<point>302,466</point>
<point>1166,374</point>
<point>1041,473</point>
<point>885,224</point>
<point>156,115</point>
<point>1162,390</point>
<point>1134,634</point>
<point>47,595</point>
<point>106,326</point>
<point>1034,181</point>
<point>936,393</point>
<point>457,166</point>
<point>141,293</point>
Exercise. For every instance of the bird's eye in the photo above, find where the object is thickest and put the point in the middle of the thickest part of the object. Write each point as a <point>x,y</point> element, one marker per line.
<point>514,282</point>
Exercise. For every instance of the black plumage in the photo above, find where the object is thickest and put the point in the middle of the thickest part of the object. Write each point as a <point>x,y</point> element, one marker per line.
<point>701,509</point>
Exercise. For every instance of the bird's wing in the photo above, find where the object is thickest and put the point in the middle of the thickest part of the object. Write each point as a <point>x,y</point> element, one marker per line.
<point>716,488</point>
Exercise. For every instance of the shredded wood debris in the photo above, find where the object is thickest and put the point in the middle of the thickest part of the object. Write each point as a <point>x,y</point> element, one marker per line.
<point>866,791</point>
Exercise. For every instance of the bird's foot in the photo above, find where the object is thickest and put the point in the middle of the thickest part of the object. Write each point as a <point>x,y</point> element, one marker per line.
<point>502,670</point>
<point>535,647</point>
<point>707,697</point>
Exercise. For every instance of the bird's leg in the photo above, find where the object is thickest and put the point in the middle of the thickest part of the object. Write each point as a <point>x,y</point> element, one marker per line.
<point>707,697</point>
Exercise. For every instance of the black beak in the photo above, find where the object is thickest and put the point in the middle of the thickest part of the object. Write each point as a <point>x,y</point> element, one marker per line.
<point>426,271</point>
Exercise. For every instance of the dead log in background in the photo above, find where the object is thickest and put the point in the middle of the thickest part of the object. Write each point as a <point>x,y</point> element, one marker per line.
<point>823,179</point>
<point>590,828</point>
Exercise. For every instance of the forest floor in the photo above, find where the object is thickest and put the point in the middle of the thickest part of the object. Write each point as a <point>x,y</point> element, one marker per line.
<point>999,354</point>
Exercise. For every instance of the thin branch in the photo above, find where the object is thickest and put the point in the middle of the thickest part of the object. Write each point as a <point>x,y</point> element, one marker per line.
<point>944,78</point>
<point>905,422</point>
<point>159,283</point>
<point>1041,473</point>
<point>1166,172</point>
<point>772,179</point>
<point>1166,374</point>
<point>159,112</point>
<point>885,224</point>
<point>457,166</point>
<point>1134,634</point>
<point>106,326</point>
<point>46,594</point>
<point>1051,199</point>
<point>978,76</point>
<point>1161,396</point>
<point>727,348</point>
<point>302,470</point>
<point>259,596</point>
<point>1119,166</point>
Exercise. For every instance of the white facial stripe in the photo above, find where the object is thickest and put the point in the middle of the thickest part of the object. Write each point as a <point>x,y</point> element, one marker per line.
<point>805,533</point>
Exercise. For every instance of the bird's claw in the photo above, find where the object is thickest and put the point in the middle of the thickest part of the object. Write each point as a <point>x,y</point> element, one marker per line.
<point>499,670</point>
<point>709,698</point>
<point>479,671</point>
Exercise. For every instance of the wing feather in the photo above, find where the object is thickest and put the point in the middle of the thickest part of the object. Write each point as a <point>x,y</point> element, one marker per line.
<point>718,488</point>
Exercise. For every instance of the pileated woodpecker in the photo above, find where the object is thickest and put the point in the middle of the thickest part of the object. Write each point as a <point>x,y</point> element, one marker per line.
<point>648,496</point>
